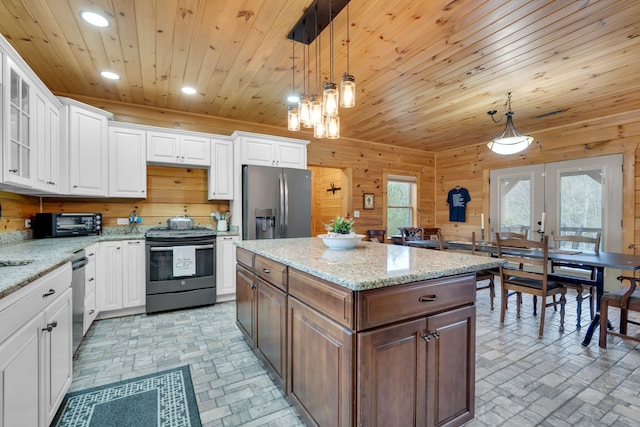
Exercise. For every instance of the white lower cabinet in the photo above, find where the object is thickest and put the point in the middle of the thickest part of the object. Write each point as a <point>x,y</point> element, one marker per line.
<point>36,350</point>
<point>226,268</point>
<point>121,277</point>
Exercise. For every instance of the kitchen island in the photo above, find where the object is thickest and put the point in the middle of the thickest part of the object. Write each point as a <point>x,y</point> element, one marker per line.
<point>377,335</point>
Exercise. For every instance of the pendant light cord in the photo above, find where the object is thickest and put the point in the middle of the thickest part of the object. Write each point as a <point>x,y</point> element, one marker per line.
<point>348,38</point>
<point>331,46</point>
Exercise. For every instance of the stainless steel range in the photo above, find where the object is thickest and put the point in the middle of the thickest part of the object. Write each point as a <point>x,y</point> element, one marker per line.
<point>181,268</point>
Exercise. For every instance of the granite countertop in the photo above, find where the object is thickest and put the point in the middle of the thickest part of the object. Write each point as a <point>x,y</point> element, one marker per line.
<point>23,262</point>
<point>369,265</point>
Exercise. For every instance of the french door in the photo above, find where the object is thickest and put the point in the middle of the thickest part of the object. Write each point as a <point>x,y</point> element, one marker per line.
<point>581,196</point>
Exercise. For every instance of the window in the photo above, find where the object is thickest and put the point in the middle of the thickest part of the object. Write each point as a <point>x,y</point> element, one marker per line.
<point>401,202</point>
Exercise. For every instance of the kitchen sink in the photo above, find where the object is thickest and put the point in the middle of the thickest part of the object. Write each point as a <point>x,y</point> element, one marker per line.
<point>15,262</point>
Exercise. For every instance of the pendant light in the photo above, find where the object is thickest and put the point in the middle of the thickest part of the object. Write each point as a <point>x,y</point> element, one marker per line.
<point>510,141</point>
<point>330,92</point>
<point>348,84</point>
<point>304,105</point>
<point>293,121</point>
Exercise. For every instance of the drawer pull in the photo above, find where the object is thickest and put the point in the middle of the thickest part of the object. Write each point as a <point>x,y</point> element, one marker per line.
<point>253,286</point>
<point>425,337</point>
<point>50,326</point>
<point>428,298</point>
<point>266,271</point>
<point>48,294</point>
<point>91,279</point>
<point>436,335</point>
<point>92,311</point>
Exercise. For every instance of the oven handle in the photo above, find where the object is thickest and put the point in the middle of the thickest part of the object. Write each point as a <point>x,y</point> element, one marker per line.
<point>170,248</point>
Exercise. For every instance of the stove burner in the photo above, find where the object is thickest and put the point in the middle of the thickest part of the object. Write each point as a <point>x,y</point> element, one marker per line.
<point>166,233</point>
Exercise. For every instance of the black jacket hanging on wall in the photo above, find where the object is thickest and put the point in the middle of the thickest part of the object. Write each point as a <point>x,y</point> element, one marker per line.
<point>457,199</point>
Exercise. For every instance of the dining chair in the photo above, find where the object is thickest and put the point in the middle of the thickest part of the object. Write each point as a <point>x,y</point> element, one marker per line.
<point>411,233</point>
<point>481,275</point>
<point>625,299</point>
<point>577,271</point>
<point>526,274</point>
<point>376,235</point>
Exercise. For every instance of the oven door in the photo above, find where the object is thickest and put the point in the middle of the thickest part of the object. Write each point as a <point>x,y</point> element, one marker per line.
<point>160,267</point>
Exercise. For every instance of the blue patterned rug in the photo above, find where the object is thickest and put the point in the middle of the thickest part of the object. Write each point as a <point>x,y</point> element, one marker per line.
<point>162,399</point>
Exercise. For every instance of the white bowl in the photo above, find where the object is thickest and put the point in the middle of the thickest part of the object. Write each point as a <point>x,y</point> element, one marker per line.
<point>341,241</point>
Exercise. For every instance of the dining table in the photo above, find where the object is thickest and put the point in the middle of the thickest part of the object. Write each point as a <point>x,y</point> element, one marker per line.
<point>598,260</point>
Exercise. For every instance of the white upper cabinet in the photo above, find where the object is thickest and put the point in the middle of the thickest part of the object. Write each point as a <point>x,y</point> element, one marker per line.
<point>88,156</point>
<point>266,150</point>
<point>172,148</point>
<point>47,119</point>
<point>127,161</point>
<point>17,105</point>
<point>221,170</point>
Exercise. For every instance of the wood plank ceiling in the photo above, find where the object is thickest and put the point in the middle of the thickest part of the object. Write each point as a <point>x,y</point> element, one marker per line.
<point>427,72</point>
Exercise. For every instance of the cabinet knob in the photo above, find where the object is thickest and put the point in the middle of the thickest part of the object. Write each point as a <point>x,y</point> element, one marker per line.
<point>266,271</point>
<point>91,279</point>
<point>48,294</point>
<point>253,286</point>
<point>92,311</point>
<point>50,326</point>
<point>428,298</point>
<point>425,337</point>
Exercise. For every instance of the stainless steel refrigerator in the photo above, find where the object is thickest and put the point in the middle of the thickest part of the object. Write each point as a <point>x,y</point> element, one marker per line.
<point>276,202</point>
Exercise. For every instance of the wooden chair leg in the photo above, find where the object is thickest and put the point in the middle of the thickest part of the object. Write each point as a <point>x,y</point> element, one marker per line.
<point>579,307</point>
<point>563,302</point>
<point>592,299</point>
<point>604,312</point>
<point>555,304</point>
<point>535,305</point>
<point>543,310</point>
<point>503,303</point>
<point>492,291</point>
<point>518,303</point>
<point>624,318</point>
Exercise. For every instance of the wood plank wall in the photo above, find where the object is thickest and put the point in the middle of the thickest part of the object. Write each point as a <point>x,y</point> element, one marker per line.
<point>607,135</point>
<point>171,191</point>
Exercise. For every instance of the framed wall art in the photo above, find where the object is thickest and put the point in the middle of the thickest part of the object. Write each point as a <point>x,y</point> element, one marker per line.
<point>368,201</point>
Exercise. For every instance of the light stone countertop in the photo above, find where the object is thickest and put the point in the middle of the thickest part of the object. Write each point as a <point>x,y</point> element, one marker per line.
<point>45,255</point>
<point>369,265</point>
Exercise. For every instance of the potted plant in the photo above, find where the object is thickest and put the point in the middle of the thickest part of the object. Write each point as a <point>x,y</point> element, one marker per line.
<point>340,225</point>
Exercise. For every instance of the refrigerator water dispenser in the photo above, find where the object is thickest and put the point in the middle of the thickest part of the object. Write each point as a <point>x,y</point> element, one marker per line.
<point>265,223</point>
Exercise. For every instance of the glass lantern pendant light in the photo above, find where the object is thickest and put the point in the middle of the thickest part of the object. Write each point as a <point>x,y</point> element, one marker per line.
<point>332,127</point>
<point>293,120</point>
<point>348,84</point>
<point>510,141</point>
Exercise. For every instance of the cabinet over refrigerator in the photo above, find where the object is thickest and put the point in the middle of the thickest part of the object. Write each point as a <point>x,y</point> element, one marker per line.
<point>276,202</point>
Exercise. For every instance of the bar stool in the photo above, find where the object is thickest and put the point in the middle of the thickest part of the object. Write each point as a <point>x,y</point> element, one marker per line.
<point>376,235</point>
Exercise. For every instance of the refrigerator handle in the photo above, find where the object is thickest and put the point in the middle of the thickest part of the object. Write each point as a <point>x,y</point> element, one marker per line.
<point>285,204</point>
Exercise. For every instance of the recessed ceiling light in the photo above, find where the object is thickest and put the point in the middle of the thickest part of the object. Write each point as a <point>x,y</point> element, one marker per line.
<point>188,90</point>
<point>95,19</point>
<point>110,75</point>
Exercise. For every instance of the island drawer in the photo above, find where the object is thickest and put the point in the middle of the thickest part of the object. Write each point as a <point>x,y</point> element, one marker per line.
<point>383,306</point>
<point>245,258</point>
<point>331,300</point>
<point>271,271</point>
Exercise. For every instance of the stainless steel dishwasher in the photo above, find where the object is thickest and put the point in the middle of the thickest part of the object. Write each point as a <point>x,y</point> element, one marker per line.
<point>78,264</point>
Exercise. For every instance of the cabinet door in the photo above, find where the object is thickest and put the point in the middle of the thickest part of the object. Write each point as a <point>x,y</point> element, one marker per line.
<point>391,387</point>
<point>291,155</point>
<point>319,366</point>
<point>225,267</point>
<point>47,144</point>
<point>20,376</point>
<point>195,150</point>
<point>18,152</point>
<point>88,153</point>
<point>109,289</point>
<point>133,274</point>
<point>257,151</point>
<point>163,147</point>
<point>245,296</point>
<point>127,162</point>
<point>271,327</point>
<point>221,170</point>
<point>58,352</point>
<point>451,367</point>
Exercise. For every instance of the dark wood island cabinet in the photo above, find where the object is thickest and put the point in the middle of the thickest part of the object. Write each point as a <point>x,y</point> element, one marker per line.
<point>382,354</point>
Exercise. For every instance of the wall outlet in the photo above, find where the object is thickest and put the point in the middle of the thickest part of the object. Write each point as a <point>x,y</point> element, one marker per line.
<point>356,214</point>
<point>123,221</point>
<point>27,223</point>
